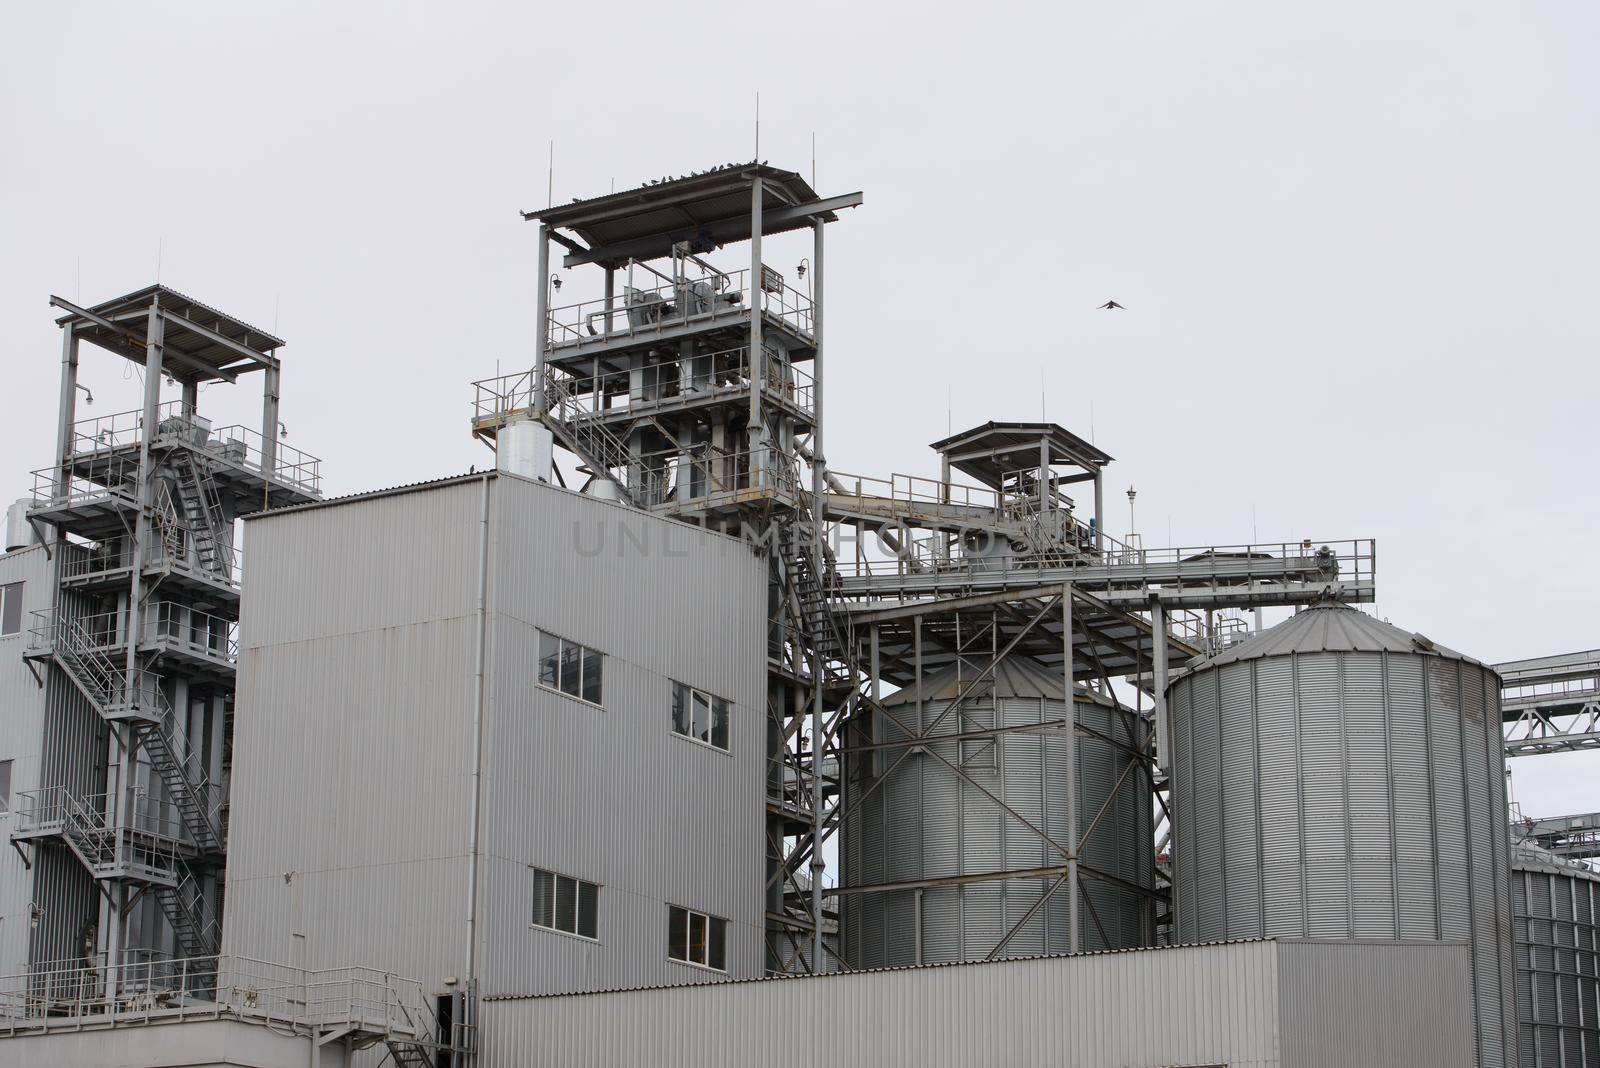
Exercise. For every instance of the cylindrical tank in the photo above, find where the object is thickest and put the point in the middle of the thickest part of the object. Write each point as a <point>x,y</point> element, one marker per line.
<point>1339,778</point>
<point>913,820</point>
<point>1555,907</point>
<point>19,535</point>
<point>524,447</point>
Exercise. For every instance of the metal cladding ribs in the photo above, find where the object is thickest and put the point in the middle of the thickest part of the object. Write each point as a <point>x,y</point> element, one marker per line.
<point>152,722</point>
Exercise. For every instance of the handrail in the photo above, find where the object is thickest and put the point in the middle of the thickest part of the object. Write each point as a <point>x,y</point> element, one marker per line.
<point>638,310</point>
<point>236,445</point>
<point>66,994</point>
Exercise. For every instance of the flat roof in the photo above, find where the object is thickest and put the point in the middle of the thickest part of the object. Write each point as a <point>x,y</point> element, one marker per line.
<point>199,342</point>
<point>990,451</point>
<point>710,208</point>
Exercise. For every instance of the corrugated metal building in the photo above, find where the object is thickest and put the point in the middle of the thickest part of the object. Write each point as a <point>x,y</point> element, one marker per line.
<point>1265,1004</point>
<point>358,693</point>
<point>25,588</point>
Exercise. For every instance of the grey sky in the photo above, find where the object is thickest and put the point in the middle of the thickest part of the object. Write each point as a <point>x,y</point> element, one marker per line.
<point>1356,243</point>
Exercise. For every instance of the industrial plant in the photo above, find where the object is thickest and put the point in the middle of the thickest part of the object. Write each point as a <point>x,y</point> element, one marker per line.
<point>657,738</point>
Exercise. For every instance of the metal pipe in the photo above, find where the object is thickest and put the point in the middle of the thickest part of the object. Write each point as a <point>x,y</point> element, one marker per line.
<point>541,315</point>
<point>818,497</point>
<point>269,428</point>
<point>1158,642</point>
<point>756,432</point>
<point>1074,931</point>
<point>479,654</point>
<point>69,401</point>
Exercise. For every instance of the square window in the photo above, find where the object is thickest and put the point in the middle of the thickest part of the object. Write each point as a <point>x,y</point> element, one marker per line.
<point>588,909</point>
<point>566,904</point>
<point>697,938</point>
<point>719,723</point>
<point>702,716</point>
<point>718,958</point>
<point>680,708</point>
<point>549,661</point>
<point>570,655</point>
<point>10,608</point>
<point>591,676</point>
<point>678,933</point>
<point>544,899</point>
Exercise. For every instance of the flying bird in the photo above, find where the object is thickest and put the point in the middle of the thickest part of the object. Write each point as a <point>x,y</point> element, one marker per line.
<point>1112,304</point>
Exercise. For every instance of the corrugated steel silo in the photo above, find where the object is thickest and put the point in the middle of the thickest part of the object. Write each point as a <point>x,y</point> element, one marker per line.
<point>923,824</point>
<point>1556,929</point>
<point>1339,778</point>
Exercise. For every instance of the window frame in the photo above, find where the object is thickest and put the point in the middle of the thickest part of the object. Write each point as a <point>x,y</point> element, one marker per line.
<point>685,699</point>
<point>714,934</point>
<point>556,897</point>
<point>578,666</point>
<point>7,770</point>
<point>11,592</point>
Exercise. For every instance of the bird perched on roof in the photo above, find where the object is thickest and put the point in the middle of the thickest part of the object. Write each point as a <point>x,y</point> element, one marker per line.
<point>1112,304</point>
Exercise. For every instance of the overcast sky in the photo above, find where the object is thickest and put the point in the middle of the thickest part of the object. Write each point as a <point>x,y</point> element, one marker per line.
<point>1356,244</point>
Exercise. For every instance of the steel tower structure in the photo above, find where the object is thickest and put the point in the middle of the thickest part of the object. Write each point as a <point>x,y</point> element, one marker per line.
<point>875,583</point>
<point>695,393</point>
<point>137,654</point>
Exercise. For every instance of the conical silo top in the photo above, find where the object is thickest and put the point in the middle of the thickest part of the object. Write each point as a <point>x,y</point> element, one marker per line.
<point>1329,627</point>
<point>1528,855</point>
<point>1015,676</point>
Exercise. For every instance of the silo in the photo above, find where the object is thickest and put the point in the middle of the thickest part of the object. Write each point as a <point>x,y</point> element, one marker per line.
<point>1556,930</point>
<point>914,821</point>
<point>1339,778</point>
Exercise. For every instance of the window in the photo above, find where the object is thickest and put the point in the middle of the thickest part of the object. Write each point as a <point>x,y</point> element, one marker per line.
<point>10,608</point>
<point>5,786</point>
<point>695,938</point>
<point>569,667</point>
<point>563,903</point>
<point>699,715</point>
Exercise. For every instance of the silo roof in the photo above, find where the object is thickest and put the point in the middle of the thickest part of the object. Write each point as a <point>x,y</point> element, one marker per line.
<point>1329,627</point>
<point>1015,676</point>
<point>1528,855</point>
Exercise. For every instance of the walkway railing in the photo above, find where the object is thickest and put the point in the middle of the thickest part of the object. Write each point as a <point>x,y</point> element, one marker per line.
<point>68,995</point>
<point>636,311</point>
<point>237,446</point>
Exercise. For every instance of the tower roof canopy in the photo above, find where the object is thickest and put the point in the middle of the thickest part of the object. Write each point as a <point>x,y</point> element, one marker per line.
<point>707,209</point>
<point>991,451</point>
<point>199,343</point>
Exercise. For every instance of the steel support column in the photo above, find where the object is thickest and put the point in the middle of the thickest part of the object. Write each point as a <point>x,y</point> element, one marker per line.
<point>541,324</point>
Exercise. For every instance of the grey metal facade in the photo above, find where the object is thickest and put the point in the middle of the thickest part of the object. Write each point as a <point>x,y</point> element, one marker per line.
<point>1337,778</point>
<point>1556,917</point>
<point>354,778</point>
<point>1243,1005</point>
<point>21,742</point>
<point>924,824</point>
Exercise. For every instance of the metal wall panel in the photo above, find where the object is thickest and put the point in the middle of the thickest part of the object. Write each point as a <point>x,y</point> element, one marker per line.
<point>1205,1005</point>
<point>1366,1003</point>
<point>353,778</point>
<point>1245,1005</point>
<point>611,795</point>
<point>1373,781</point>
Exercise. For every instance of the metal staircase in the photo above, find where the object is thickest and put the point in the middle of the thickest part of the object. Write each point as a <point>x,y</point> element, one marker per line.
<point>106,687</point>
<point>186,910</point>
<point>805,550</point>
<point>201,506</point>
<point>581,432</point>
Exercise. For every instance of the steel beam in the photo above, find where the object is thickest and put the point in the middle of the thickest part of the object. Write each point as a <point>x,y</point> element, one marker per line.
<point>658,245</point>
